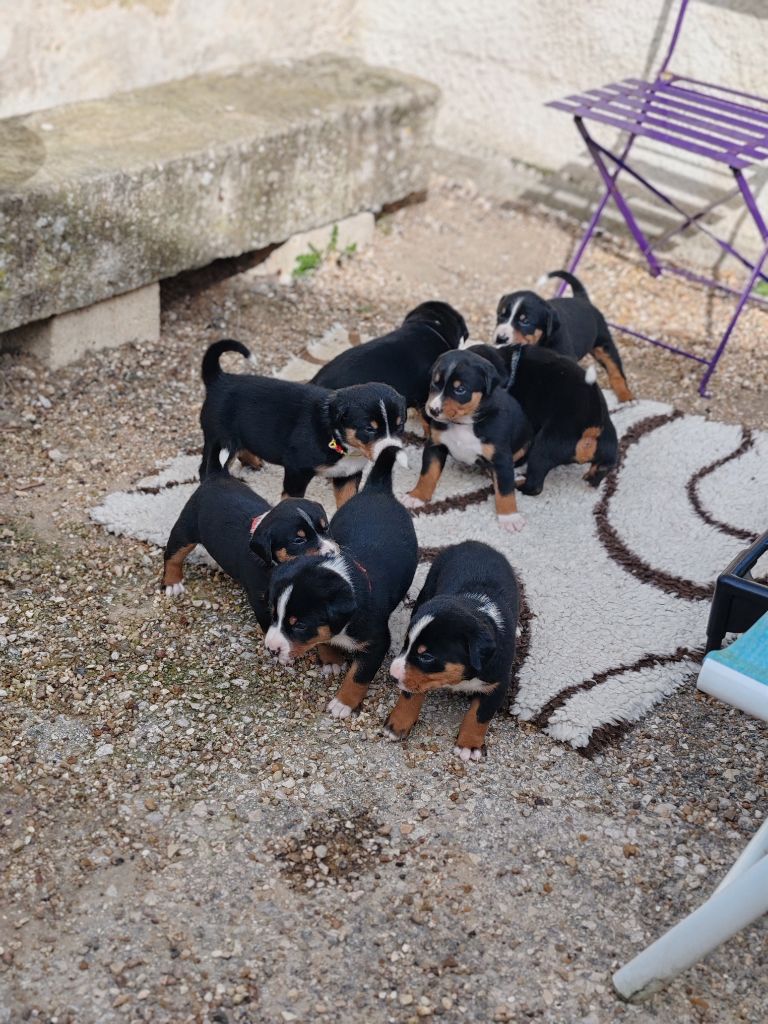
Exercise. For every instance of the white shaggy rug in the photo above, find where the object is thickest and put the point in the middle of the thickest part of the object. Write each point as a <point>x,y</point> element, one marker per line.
<point>616,582</point>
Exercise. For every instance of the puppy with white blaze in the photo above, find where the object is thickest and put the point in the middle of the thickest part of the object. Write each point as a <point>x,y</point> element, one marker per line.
<point>461,638</point>
<point>341,605</point>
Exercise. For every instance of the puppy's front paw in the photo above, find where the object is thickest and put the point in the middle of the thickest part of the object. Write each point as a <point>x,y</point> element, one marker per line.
<point>469,753</point>
<point>174,589</point>
<point>411,501</point>
<point>331,670</point>
<point>514,522</point>
<point>336,709</point>
<point>393,733</point>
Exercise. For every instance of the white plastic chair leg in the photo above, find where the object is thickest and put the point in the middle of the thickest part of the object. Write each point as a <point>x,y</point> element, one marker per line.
<point>731,908</point>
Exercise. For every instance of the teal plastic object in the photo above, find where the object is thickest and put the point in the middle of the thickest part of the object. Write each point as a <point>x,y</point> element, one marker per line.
<point>749,654</point>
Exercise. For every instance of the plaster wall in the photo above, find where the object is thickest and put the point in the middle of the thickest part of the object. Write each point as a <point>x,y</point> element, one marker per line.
<point>63,51</point>
<point>496,61</point>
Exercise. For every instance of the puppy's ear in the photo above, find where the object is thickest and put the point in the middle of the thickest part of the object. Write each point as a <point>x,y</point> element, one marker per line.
<point>261,545</point>
<point>490,376</point>
<point>340,605</point>
<point>338,408</point>
<point>480,648</point>
<point>553,322</point>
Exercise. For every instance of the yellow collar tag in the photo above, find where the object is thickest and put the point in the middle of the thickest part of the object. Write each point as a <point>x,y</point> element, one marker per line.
<point>334,445</point>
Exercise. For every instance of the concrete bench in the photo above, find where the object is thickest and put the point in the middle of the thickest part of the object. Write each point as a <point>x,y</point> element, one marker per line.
<point>101,198</point>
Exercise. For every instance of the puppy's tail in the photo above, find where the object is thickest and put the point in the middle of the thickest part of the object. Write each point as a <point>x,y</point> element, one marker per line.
<point>380,477</point>
<point>578,289</point>
<point>211,368</point>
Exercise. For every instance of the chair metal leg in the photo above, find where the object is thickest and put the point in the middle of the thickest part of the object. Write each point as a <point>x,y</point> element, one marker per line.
<point>726,912</point>
<point>594,220</point>
<point>712,366</point>
<point>610,183</point>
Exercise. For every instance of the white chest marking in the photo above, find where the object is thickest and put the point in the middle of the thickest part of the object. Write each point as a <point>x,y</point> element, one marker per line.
<point>348,466</point>
<point>471,686</point>
<point>462,442</point>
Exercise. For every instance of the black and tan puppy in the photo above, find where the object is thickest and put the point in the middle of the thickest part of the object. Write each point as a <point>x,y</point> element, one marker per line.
<point>404,357</point>
<point>572,327</point>
<point>461,638</point>
<point>344,602</point>
<point>245,536</point>
<point>565,408</point>
<point>474,419</point>
<point>306,429</point>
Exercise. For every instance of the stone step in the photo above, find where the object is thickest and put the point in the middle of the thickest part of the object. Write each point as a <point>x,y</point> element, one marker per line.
<point>104,197</point>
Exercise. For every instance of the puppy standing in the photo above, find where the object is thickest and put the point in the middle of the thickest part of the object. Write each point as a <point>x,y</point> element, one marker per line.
<point>245,536</point>
<point>306,429</point>
<point>565,408</point>
<point>572,327</point>
<point>461,638</point>
<point>345,602</point>
<point>472,417</point>
<point>404,357</point>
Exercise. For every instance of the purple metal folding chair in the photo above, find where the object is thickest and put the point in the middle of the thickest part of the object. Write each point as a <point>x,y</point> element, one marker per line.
<point>708,120</point>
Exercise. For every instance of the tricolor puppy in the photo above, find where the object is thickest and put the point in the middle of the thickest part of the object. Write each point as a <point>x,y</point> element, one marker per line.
<point>472,418</point>
<point>572,327</point>
<point>564,407</point>
<point>306,429</point>
<point>344,603</point>
<point>245,535</point>
<point>404,357</point>
<point>461,638</point>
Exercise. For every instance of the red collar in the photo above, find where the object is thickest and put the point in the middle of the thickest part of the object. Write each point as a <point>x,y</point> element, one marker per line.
<point>364,571</point>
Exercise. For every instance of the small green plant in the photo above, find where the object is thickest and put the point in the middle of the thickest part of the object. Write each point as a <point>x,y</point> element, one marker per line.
<point>306,262</point>
<point>762,288</point>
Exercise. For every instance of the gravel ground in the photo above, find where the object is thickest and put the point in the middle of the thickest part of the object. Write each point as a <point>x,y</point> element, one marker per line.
<point>186,836</point>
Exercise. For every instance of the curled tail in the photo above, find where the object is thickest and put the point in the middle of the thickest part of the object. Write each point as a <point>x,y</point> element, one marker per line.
<point>380,477</point>
<point>211,368</point>
<point>578,289</point>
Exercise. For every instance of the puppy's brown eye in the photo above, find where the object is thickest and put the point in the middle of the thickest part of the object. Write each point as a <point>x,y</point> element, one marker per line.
<point>301,533</point>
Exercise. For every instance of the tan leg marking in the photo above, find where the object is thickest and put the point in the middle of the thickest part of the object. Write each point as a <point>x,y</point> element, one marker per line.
<point>428,481</point>
<point>586,446</point>
<point>249,459</point>
<point>404,714</point>
<point>506,504</point>
<point>350,692</point>
<point>343,492</point>
<point>173,571</point>
<point>330,655</point>
<point>424,423</point>
<point>616,378</point>
<point>471,732</point>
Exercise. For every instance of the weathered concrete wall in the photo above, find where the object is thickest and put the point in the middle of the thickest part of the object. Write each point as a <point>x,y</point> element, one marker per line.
<point>54,52</point>
<point>105,196</point>
<point>496,62</point>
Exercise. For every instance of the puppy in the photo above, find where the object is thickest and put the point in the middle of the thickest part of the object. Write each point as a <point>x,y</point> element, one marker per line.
<point>345,602</point>
<point>461,638</point>
<point>402,358</point>
<point>472,417</point>
<point>571,327</point>
<point>245,535</point>
<point>564,407</point>
<point>304,428</point>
